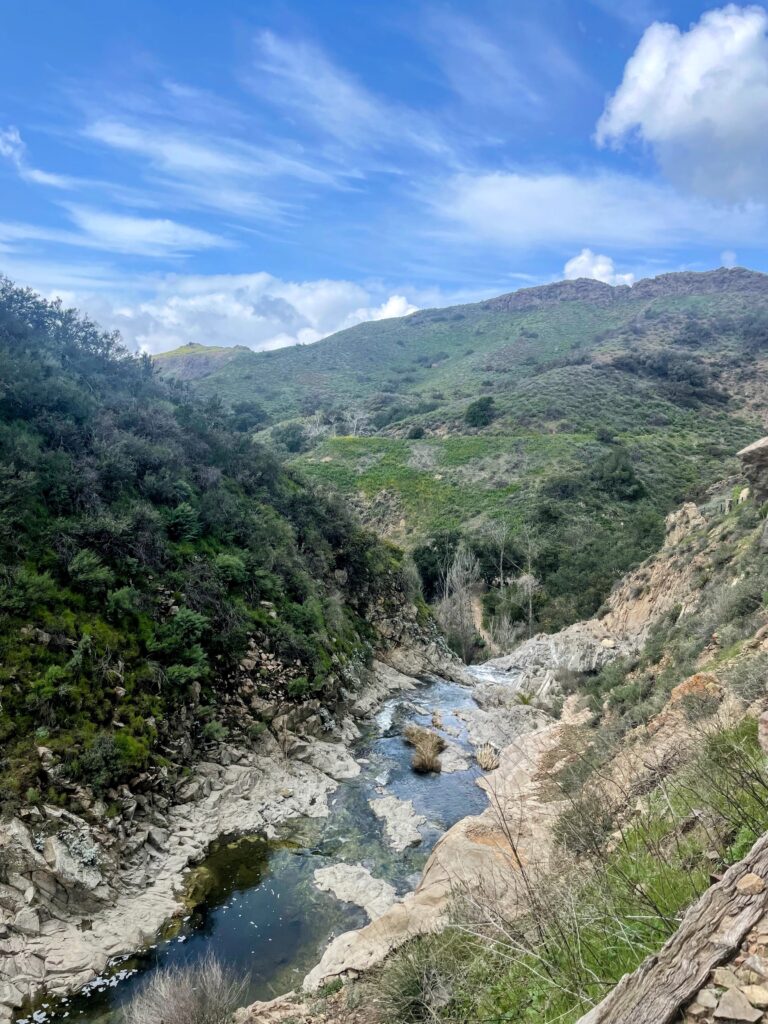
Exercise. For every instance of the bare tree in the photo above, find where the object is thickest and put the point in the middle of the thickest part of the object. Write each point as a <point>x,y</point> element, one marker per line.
<point>355,420</point>
<point>454,611</point>
<point>316,426</point>
<point>525,582</point>
<point>205,992</point>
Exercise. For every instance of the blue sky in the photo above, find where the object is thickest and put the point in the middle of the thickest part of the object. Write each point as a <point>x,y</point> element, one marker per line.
<point>266,173</point>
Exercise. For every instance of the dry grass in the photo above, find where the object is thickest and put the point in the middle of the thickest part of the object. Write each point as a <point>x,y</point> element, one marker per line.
<point>427,748</point>
<point>487,756</point>
<point>202,993</point>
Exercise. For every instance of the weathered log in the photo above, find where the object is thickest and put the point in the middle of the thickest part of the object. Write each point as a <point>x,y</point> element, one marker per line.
<point>711,931</point>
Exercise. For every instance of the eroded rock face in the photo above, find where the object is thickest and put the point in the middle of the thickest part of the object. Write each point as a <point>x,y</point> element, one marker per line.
<point>533,667</point>
<point>754,464</point>
<point>124,878</point>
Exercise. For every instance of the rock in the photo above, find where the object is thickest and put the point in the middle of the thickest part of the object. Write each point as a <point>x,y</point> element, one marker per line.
<point>725,977</point>
<point>707,998</point>
<point>751,884</point>
<point>401,822</point>
<point>70,870</point>
<point>453,759</point>
<point>757,966</point>
<point>27,922</point>
<point>757,995</point>
<point>353,883</point>
<point>762,731</point>
<point>10,995</point>
<point>330,758</point>
<point>158,838</point>
<point>754,465</point>
<point>735,1006</point>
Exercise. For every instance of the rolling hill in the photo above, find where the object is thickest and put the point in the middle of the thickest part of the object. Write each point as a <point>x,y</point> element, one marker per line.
<point>601,409</point>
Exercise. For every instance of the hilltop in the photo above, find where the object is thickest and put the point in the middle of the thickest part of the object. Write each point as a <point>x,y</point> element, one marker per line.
<point>600,409</point>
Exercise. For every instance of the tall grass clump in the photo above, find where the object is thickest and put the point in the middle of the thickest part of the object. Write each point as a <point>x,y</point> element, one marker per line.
<point>427,748</point>
<point>206,992</point>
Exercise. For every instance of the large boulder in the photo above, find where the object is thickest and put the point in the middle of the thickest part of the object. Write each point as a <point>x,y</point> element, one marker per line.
<point>754,465</point>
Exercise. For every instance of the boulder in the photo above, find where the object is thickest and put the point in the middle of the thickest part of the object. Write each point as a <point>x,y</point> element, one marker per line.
<point>71,871</point>
<point>27,922</point>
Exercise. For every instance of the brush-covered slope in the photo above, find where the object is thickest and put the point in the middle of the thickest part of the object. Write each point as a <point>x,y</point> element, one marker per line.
<point>460,349</point>
<point>601,409</point>
<point>146,547</point>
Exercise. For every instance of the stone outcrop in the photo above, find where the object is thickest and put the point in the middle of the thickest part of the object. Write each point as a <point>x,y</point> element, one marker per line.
<point>68,903</point>
<point>354,883</point>
<point>754,464</point>
<point>401,822</point>
<point>533,668</point>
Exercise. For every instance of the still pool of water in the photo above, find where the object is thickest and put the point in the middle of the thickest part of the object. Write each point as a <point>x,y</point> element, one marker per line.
<point>258,908</point>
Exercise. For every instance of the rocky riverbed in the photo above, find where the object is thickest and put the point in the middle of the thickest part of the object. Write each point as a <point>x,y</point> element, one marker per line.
<point>76,913</point>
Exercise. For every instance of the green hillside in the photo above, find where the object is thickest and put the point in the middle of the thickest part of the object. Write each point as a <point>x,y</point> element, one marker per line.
<point>147,546</point>
<point>600,409</point>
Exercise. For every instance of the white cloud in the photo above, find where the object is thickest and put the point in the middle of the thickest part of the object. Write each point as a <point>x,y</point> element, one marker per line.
<point>155,236</point>
<point>257,310</point>
<point>524,211</point>
<point>113,233</point>
<point>596,266</point>
<point>728,258</point>
<point>700,100</point>
<point>13,150</point>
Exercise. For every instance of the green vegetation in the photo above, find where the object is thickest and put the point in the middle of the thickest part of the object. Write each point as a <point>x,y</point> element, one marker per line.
<point>573,414</point>
<point>146,544</point>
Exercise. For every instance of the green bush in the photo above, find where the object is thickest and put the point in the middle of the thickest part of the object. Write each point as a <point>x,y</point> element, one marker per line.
<point>481,412</point>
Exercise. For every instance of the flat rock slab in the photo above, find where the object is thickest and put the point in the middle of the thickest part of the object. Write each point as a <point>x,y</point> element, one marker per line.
<point>401,822</point>
<point>453,759</point>
<point>353,883</point>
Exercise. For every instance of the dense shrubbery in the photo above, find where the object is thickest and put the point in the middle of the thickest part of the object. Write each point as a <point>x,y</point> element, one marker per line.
<point>143,539</point>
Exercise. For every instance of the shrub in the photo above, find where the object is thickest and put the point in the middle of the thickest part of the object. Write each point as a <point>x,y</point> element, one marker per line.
<point>200,993</point>
<point>87,571</point>
<point>480,413</point>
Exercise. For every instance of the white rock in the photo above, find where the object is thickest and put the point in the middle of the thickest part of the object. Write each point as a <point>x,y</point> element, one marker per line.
<point>401,822</point>
<point>353,883</point>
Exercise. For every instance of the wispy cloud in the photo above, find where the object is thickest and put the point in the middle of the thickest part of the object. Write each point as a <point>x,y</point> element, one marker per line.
<point>115,233</point>
<point>302,78</point>
<point>210,170</point>
<point>13,149</point>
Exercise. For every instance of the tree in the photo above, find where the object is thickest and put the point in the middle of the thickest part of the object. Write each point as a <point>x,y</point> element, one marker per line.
<point>355,420</point>
<point>455,611</point>
<point>291,436</point>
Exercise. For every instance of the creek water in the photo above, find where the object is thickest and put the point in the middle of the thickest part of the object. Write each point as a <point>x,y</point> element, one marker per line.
<point>256,906</point>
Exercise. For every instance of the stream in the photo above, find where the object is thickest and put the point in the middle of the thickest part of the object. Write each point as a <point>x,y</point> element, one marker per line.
<point>255,905</point>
